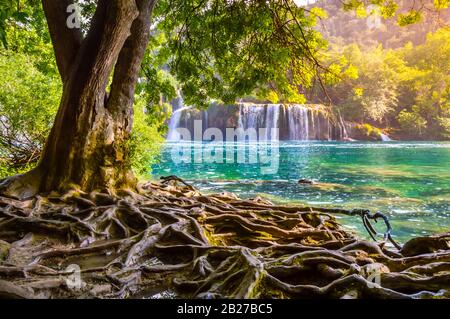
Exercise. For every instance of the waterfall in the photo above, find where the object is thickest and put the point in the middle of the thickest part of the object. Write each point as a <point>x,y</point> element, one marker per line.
<point>385,138</point>
<point>258,116</point>
<point>343,128</point>
<point>241,117</point>
<point>294,121</point>
<point>272,120</point>
<point>205,118</point>
<point>298,122</point>
<point>174,123</point>
<point>313,124</point>
<point>318,128</point>
<point>305,135</point>
<point>251,116</point>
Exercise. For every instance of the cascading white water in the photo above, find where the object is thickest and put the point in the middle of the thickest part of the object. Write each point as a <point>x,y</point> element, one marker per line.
<point>251,116</point>
<point>206,121</point>
<point>294,121</point>
<point>305,124</point>
<point>385,138</point>
<point>258,117</point>
<point>241,118</point>
<point>174,123</point>
<point>272,121</point>
<point>313,124</point>
<point>298,122</point>
<point>343,128</point>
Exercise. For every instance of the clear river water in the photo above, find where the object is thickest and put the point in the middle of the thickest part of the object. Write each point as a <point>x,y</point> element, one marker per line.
<point>408,181</point>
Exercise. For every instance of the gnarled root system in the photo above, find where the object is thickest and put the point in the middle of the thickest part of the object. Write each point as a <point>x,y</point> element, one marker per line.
<point>170,241</point>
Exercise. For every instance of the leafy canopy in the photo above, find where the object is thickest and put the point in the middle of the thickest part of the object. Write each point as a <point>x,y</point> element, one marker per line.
<point>222,50</point>
<point>408,88</point>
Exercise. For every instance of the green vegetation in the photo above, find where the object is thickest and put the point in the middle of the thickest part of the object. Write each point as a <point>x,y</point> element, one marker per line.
<point>31,90</point>
<point>370,23</point>
<point>407,89</point>
<point>392,77</point>
<point>29,100</point>
<point>145,141</point>
<point>28,103</point>
<point>228,50</point>
<point>80,204</point>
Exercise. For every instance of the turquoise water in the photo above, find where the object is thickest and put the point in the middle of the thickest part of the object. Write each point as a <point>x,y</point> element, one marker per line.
<point>408,181</point>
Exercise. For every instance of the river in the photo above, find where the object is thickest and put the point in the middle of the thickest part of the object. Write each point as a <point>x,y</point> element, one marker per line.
<point>408,181</point>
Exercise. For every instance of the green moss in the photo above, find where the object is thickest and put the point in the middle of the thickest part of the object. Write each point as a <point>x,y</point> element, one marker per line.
<point>4,250</point>
<point>264,236</point>
<point>370,131</point>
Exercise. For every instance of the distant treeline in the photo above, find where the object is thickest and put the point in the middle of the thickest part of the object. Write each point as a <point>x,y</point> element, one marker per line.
<point>394,77</point>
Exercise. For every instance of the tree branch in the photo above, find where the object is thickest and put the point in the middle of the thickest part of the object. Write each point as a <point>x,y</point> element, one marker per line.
<point>109,30</point>
<point>66,41</point>
<point>129,62</point>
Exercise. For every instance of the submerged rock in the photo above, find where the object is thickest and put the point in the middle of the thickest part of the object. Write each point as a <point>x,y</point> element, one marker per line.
<point>305,181</point>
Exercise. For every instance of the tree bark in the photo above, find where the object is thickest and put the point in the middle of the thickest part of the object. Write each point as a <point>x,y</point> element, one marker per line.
<point>66,42</point>
<point>87,146</point>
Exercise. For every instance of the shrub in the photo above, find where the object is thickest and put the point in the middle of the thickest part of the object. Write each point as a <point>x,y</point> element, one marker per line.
<point>28,103</point>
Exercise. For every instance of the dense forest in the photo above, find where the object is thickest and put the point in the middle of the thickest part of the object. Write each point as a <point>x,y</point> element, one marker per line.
<point>368,27</point>
<point>395,77</point>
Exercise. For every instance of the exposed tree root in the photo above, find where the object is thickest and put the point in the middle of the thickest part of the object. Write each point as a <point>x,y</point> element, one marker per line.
<point>169,241</point>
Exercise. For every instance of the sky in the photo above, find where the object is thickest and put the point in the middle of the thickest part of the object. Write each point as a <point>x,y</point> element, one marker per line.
<point>303,2</point>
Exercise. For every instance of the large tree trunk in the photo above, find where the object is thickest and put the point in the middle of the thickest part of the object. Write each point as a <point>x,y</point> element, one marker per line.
<point>87,146</point>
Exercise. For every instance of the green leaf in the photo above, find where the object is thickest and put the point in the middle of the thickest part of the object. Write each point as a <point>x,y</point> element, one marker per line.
<point>411,17</point>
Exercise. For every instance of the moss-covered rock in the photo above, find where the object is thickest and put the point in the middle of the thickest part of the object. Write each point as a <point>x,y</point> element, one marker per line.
<point>364,132</point>
<point>4,250</point>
